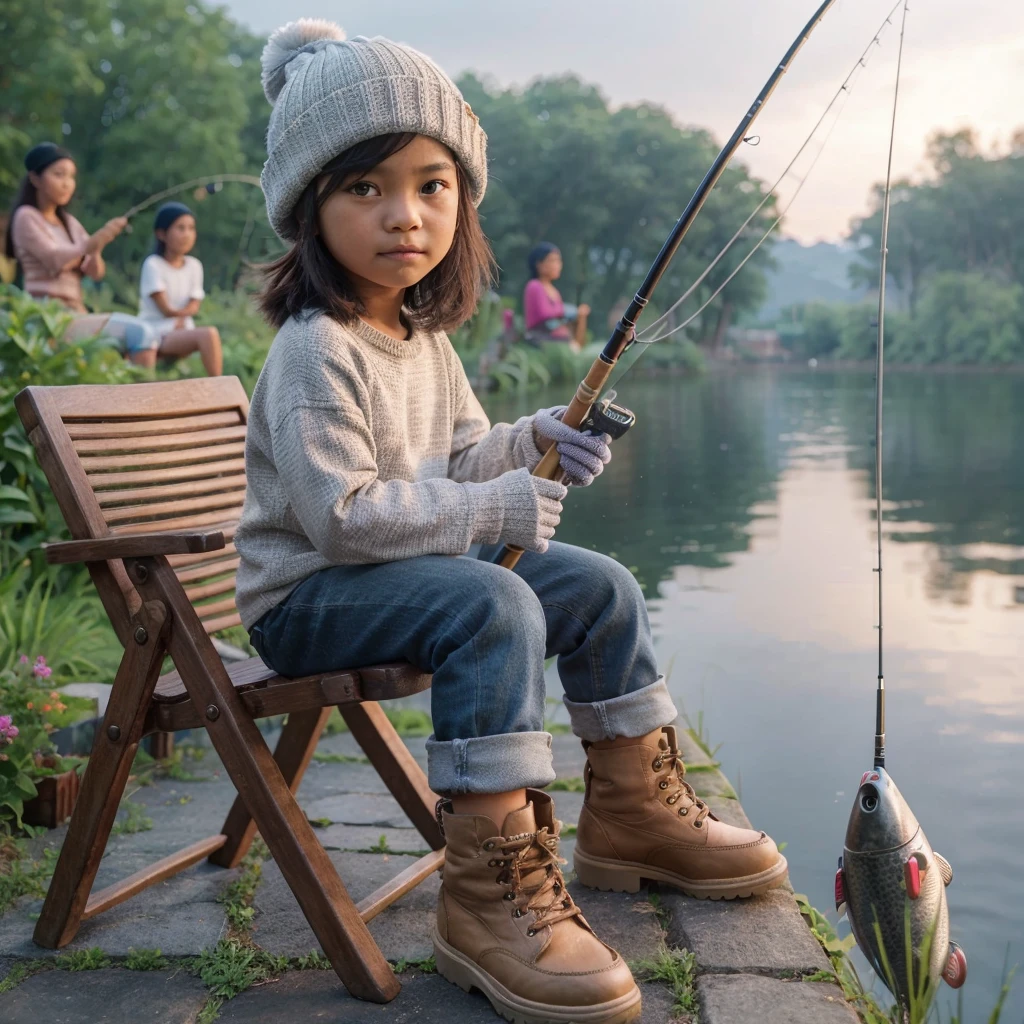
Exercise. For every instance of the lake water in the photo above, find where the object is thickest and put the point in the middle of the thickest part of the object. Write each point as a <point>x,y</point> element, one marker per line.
<point>744,503</point>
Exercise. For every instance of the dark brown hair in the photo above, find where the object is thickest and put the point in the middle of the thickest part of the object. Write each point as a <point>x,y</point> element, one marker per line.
<point>28,195</point>
<point>308,279</point>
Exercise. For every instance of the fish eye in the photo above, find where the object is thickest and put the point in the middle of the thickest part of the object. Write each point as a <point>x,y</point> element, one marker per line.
<point>868,802</point>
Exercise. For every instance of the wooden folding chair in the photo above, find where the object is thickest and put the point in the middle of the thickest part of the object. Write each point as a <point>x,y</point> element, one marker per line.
<point>150,479</point>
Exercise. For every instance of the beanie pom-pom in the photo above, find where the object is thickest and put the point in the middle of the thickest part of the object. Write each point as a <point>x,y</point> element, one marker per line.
<point>286,42</point>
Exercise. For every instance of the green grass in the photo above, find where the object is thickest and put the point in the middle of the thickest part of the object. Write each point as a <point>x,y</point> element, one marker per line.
<point>568,831</point>
<point>145,960</point>
<point>407,722</point>
<point>676,968</point>
<point>210,1011</point>
<point>660,910</point>
<point>573,785</point>
<point>312,961</point>
<point>320,822</point>
<point>21,875</point>
<point>426,964</point>
<point>230,968</point>
<point>19,972</point>
<point>238,896</point>
<point>381,846</point>
<point>135,820</point>
<point>325,757</point>
<point>92,959</point>
<point>556,728</point>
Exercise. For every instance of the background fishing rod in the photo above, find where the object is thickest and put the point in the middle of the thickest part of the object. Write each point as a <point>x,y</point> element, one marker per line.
<point>624,333</point>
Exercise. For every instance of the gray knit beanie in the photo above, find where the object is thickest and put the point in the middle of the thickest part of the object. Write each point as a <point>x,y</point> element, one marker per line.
<point>330,93</point>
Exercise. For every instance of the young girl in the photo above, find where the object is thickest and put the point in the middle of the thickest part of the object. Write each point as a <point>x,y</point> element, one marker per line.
<point>371,464</point>
<point>171,289</point>
<point>55,251</point>
<point>545,314</point>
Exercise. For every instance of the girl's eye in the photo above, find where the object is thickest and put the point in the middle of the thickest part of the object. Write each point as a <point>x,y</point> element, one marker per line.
<point>362,188</point>
<point>432,188</point>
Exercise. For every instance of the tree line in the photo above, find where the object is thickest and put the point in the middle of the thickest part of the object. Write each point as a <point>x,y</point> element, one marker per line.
<point>955,262</point>
<point>150,93</point>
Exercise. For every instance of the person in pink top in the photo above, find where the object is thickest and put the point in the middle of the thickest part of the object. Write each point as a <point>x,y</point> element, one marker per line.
<point>547,317</point>
<point>55,252</point>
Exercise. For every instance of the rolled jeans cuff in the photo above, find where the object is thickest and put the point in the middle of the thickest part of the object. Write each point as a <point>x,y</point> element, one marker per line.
<point>490,764</point>
<point>633,714</point>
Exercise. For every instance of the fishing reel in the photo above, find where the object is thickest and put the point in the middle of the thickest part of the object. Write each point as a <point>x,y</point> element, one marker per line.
<point>605,417</point>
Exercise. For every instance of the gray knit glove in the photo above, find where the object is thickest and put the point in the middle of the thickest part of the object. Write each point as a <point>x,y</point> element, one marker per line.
<point>581,456</point>
<point>532,509</point>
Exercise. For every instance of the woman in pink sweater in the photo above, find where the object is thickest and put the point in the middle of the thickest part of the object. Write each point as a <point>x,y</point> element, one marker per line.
<point>546,316</point>
<point>55,252</point>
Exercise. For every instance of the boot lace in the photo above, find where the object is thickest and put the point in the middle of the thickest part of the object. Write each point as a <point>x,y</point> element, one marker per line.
<point>680,791</point>
<point>531,869</point>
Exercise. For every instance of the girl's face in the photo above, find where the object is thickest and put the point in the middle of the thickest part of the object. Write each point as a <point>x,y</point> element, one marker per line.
<point>390,226</point>
<point>56,183</point>
<point>180,237</point>
<point>550,268</point>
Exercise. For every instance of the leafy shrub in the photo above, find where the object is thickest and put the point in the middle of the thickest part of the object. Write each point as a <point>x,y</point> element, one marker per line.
<point>33,351</point>
<point>58,614</point>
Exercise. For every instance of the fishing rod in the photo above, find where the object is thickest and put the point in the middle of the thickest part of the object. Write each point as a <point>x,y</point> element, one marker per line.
<point>209,183</point>
<point>609,418</point>
<point>843,92</point>
<point>879,352</point>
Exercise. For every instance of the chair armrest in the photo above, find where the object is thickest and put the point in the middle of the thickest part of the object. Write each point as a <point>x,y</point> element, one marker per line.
<point>138,545</point>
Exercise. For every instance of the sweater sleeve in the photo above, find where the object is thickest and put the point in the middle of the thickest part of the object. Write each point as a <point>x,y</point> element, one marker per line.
<point>324,454</point>
<point>480,451</point>
<point>31,234</point>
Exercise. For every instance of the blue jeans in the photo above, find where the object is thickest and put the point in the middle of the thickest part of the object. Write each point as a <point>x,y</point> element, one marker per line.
<point>484,632</point>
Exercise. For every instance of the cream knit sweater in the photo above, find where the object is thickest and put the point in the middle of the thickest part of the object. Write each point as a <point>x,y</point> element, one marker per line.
<point>364,449</point>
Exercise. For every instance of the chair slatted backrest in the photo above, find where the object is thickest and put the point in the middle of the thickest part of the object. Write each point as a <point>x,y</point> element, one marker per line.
<point>146,458</point>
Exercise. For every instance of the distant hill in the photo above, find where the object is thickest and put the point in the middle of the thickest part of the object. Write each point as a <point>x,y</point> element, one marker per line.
<point>807,273</point>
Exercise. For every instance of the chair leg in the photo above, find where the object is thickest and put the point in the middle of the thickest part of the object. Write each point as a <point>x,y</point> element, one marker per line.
<point>396,766</point>
<point>293,752</point>
<point>307,869</point>
<point>106,773</point>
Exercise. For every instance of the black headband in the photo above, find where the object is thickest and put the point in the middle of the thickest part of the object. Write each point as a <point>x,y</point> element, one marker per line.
<point>38,158</point>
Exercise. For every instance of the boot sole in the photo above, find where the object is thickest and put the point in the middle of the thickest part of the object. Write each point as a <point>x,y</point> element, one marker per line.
<point>624,876</point>
<point>457,968</point>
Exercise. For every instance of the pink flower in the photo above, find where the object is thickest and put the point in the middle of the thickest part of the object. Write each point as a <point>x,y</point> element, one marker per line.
<point>41,670</point>
<point>8,730</point>
<point>24,659</point>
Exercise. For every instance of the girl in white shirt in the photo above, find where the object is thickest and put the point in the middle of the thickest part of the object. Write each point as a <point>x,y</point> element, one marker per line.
<point>171,290</point>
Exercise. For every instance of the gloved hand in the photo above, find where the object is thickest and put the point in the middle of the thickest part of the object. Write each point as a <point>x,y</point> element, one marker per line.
<point>581,456</point>
<point>532,508</point>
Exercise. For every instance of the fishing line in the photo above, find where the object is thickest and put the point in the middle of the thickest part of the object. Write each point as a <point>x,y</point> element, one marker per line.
<point>844,91</point>
<point>214,179</point>
<point>884,253</point>
<point>845,87</point>
<point>778,220</point>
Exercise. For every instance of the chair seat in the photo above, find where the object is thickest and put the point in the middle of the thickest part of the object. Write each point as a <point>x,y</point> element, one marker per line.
<point>266,693</point>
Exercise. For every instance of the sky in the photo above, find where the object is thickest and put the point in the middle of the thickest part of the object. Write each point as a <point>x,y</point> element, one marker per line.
<point>705,62</point>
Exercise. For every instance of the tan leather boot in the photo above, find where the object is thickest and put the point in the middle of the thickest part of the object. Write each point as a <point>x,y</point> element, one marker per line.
<point>506,925</point>
<point>641,819</point>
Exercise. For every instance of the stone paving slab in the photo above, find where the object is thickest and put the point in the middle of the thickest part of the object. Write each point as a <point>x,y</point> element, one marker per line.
<point>179,917</point>
<point>402,931</point>
<point>97,997</point>
<point>429,998</point>
<point>744,949</point>
<point>764,935</point>
<point>627,922</point>
<point>736,999</point>
<point>376,810</point>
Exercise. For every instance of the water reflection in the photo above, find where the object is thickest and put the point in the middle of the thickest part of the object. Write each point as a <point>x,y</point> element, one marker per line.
<point>744,503</point>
